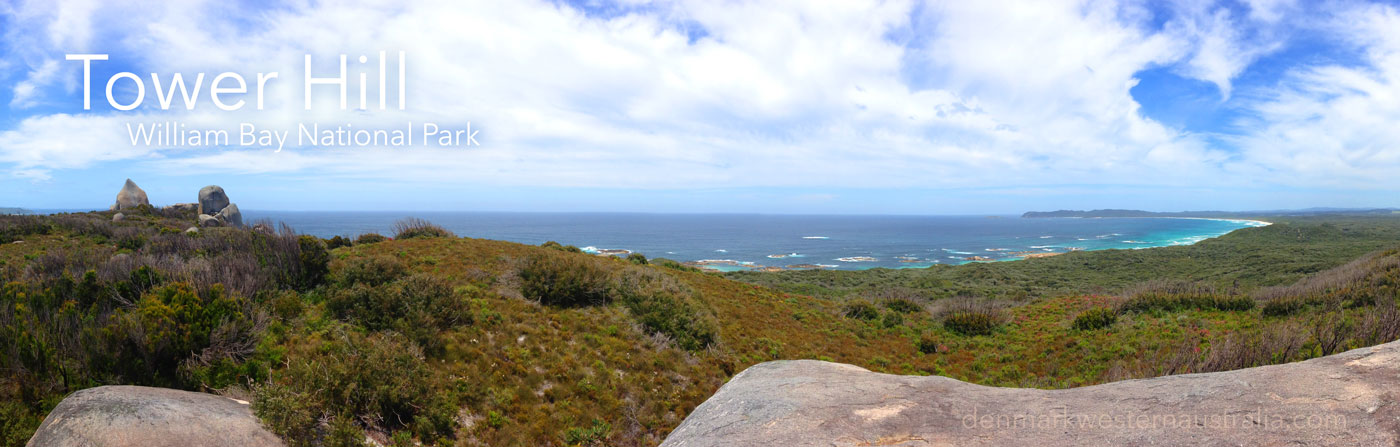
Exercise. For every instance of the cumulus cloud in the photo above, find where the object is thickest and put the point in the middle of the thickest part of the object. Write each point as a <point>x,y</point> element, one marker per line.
<point>702,94</point>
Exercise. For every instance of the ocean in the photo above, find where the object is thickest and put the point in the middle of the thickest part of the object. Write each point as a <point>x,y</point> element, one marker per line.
<point>748,241</point>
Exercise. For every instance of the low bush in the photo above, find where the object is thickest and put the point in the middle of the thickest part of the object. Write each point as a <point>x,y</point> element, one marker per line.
<point>337,242</point>
<point>971,323</point>
<point>413,227</point>
<point>1282,306</point>
<point>314,262</point>
<point>892,319</point>
<point>927,344</point>
<point>370,238</point>
<point>861,310</point>
<point>559,279</point>
<point>418,306</point>
<point>368,270</point>
<point>379,379</point>
<point>674,265</point>
<point>664,305</point>
<point>564,248</point>
<point>1095,318</point>
<point>903,305</point>
<point>13,228</point>
<point>1172,296</point>
<point>637,258</point>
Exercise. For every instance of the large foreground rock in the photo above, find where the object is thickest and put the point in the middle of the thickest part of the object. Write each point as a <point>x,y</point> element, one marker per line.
<point>1348,399</point>
<point>121,416</point>
<point>131,196</point>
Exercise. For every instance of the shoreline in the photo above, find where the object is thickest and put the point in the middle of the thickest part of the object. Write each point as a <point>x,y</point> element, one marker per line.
<point>1248,223</point>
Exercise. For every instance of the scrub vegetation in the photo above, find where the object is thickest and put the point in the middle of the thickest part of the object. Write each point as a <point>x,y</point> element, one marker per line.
<point>442,340</point>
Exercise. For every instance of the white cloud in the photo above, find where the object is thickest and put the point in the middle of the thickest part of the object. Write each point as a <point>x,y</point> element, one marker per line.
<point>1334,125</point>
<point>24,91</point>
<point>846,94</point>
<point>1225,44</point>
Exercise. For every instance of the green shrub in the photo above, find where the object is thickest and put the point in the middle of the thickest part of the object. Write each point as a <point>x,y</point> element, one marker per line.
<point>337,242</point>
<point>1281,307</point>
<point>927,344</point>
<point>314,262</point>
<point>596,434</point>
<point>666,306</point>
<point>14,228</point>
<point>903,305</point>
<point>972,321</point>
<point>564,248</point>
<point>1174,303</point>
<point>892,319</point>
<point>418,306</point>
<point>377,377</point>
<point>369,270</point>
<point>671,264</point>
<point>344,432</point>
<point>286,412</point>
<point>861,310</point>
<point>17,423</point>
<point>173,323</point>
<point>1095,318</point>
<point>637,258</point>
<point>370,238</point>
<point>1174,296</point>
<point>564,280</point>
<point>413,227</point>
<point>287,305</point>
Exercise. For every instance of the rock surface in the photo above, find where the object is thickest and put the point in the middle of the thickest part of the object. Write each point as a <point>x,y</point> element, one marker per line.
<point>206,220</point>
<point>1343,399</point>
<point>118,217</point>
<point>131,196</point>
<point>121,416</point>
<point>230,216</point>
<point>212,200</point>
<point>184,207</point>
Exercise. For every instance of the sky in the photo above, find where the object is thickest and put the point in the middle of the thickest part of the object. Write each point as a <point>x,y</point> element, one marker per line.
<point>809,107</point>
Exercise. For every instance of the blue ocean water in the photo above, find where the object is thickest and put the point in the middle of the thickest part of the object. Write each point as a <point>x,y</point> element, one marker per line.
<point>742,241</point>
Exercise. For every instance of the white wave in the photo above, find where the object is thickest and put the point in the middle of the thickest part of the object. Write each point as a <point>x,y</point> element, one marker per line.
<point>1046,237</point>
<point>815,237</point>
<point>857,259</point>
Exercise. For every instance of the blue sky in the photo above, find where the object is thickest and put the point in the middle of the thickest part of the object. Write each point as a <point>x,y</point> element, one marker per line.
<point>890,107</point>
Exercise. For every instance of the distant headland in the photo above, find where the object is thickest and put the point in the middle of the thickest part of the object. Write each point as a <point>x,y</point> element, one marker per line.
<point>5,210</point>
<point>1207,214</point>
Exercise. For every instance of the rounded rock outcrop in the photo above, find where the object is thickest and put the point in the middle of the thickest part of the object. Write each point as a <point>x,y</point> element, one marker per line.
<point>132,416</point>
<point>231,216</point>
<point>212,200</point>
<point>206,220</point>
<point>131,196</point>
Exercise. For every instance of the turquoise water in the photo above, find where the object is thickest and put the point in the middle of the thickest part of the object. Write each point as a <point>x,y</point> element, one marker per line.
<point>745,241</point>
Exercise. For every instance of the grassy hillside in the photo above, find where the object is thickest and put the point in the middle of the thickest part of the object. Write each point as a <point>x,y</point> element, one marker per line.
<point>445,340</point>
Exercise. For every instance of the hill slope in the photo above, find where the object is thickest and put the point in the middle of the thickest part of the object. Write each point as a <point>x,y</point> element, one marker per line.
<point>450,340</point>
